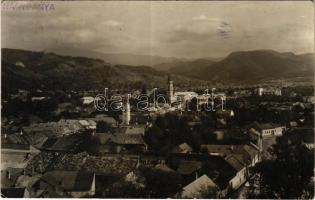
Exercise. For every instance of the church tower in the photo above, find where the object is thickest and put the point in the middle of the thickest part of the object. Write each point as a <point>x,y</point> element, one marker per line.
<point>127,111</point>
<point>170,90</point>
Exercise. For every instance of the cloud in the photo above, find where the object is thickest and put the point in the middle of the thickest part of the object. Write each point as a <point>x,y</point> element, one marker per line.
<point>194,30</point>
<point>205,18</point>
<point>113,23</point>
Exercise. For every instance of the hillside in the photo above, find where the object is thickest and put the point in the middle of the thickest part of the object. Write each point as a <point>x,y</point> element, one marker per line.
<point>27,69</point>
<point>52,71</point>
<point>262,65</point>
<point>115,59</point>
<point>249,67</point>
<point>186,68</point>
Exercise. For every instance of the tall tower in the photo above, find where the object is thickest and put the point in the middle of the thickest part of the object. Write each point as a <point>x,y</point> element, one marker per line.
<point>127,111</point>
<point>170,90</point>
<point>260,91</point>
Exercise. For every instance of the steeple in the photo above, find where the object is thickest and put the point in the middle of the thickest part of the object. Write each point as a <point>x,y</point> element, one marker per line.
<point>127,111</point>
<point>170,89</point>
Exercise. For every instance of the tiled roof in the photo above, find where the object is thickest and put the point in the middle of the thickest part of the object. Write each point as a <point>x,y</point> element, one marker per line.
<point>244,153</point>
<point>235,162</point>
<point>195,188</point>
<point>188,167</point>
<point>263,126</point>
<point>70,180</point>
<point>120,138</point>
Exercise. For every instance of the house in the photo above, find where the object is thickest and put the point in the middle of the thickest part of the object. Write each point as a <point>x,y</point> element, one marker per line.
<point>37,99</point>
<point>140,118</point>
<point>309,99</point>
<point>182,148</point>
<point>248,152</point>
<point>69,143</point>
<point>268,91</point>
<point>16,156</point>
<point>241,171</point>
<point>87,100</point>
<point>88,124</point>
<point>164,168</point>
<point>105,118</point>
<point>76,184</point>
<point>202,187</point>
<point>9,176</point>
<point>267,129</point>
<point>225,114</point>
<point>189,169</point>
<point>136,178</point>
<point>120,142</point>
<point>31,184</point>
<point>61,128</point>
<point>262,136</point>
<point>240,157</point>
<point>132,130</point>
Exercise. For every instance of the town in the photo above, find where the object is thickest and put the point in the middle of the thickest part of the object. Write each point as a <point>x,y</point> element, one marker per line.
<point>157,99</point>
<point>58,144</point>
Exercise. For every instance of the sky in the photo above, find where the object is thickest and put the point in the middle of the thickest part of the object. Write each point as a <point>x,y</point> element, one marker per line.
<point>180,29</point>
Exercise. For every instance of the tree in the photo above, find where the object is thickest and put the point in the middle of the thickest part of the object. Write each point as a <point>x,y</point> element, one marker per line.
<point>289,174</point>
<point>161,184</point>
<point>102,126</point>
<point>123,189</point>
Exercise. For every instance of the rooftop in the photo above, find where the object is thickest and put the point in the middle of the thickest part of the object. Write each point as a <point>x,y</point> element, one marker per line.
<point>264,126</point>
<point>188,167</point>
<point>70,180</point>
<point>196,188</point>
<point>119,138</point>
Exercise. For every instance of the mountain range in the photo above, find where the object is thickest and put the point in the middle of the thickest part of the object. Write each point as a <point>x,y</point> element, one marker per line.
<point>28,69</point>
<point>116,58</point>
<point>23,69</point>
<point>248,66</point>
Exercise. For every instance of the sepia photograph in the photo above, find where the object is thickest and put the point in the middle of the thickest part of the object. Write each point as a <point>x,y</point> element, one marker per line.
<point>157,99</point>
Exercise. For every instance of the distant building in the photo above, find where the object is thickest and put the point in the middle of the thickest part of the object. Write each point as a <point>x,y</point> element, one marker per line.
<point>20,64</point>
<point>184,97</point>
<point>268,91</point>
